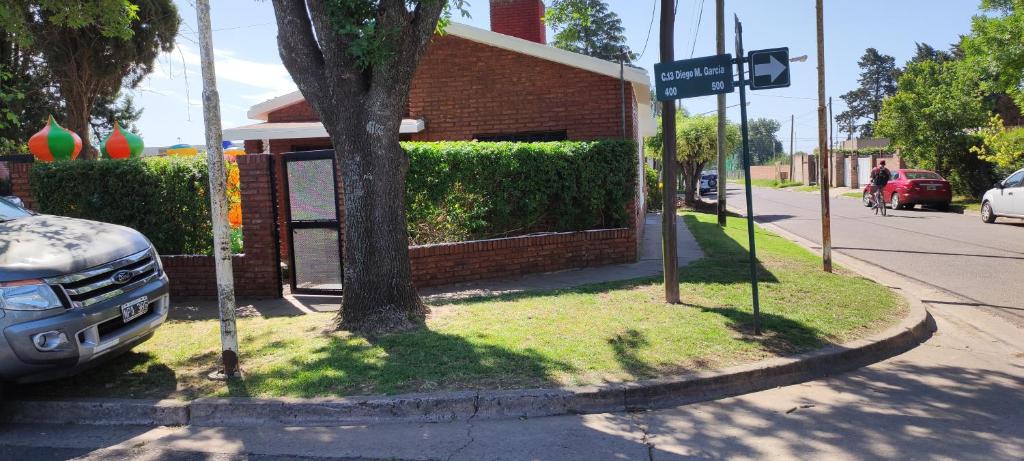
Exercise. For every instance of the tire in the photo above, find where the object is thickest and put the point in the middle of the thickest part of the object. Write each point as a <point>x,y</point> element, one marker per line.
<point>866,199</point>
<point>894,202</point>
<point>988,216</point>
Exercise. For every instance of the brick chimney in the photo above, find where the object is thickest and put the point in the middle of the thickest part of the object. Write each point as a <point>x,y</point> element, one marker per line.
<point>519,18</point>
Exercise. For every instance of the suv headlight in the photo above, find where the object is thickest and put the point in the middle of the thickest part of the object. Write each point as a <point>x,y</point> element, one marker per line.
<point>159,262</point>
<point>27,295</point>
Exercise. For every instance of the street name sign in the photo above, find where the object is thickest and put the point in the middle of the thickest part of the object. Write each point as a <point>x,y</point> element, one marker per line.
<point>689,78</point>
<point>769,68</point>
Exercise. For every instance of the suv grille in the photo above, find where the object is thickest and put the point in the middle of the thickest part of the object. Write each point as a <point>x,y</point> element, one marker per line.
<point>106,281</point>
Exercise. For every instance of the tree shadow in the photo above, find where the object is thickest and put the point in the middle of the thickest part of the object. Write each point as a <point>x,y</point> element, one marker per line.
<point>626,347</point>
<point>130,375</point>
<point>415,361</point>
<point>725,261</point>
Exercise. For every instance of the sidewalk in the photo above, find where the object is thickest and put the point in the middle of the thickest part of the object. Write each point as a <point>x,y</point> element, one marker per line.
<point>649,265</point>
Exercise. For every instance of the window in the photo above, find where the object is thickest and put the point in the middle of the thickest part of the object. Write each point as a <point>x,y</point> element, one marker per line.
<point>922,175</point>
<point>896,176</point>
<point>538,136</point>
<point>1015,180</point>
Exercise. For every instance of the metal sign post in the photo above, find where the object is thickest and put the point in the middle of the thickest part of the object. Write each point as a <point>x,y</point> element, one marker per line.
<point>709,75</point>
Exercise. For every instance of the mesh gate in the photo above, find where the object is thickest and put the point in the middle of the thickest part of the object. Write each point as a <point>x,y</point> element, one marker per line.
<point>313,222</point>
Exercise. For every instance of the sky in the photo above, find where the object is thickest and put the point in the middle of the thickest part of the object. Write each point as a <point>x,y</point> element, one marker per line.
<point>249,69</point>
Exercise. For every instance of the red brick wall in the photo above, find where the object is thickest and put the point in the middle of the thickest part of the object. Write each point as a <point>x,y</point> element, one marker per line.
<point>20,185</point>
<point>463,88</point>
<point>298,112</point>
<point>519,18</point>
<point>443,264</point>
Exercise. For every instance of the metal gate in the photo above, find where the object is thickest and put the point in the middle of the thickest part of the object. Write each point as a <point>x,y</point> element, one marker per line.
<point>863,170</point>
<point>313,222</point>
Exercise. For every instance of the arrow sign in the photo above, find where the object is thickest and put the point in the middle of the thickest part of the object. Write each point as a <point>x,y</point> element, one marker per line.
<point>771,68</point>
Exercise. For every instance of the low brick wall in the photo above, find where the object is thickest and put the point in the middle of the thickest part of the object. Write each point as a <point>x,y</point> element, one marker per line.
<point>194,277</point>
<point>443,264</point>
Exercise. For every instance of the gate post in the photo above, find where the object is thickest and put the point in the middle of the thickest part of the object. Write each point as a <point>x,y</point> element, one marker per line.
<point>259,227</point>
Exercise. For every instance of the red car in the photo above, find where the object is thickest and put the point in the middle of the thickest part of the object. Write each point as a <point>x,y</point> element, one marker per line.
<point>912,187</point>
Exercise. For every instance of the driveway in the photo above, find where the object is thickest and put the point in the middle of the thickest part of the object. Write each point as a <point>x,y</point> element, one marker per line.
<point>981,264</point>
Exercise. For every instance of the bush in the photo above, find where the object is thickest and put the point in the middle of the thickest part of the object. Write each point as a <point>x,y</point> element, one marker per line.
<point>477,190</point>
<point>654,192</point>
<point>164,198</point>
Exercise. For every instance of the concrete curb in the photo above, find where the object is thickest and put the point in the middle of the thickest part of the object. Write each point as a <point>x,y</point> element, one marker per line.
<point>664,392</point>
<point>450,406</point>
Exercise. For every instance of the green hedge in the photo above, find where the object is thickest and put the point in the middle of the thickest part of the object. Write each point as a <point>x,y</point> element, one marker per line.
<point>476,190</point>
<point>164,198</point>
<point>654,195</point>
<point>455,191</point>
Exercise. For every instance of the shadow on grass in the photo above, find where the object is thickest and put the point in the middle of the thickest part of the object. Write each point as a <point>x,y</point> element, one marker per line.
<point>113,378</point>
<point>780,336</point>
<point>417,361</point>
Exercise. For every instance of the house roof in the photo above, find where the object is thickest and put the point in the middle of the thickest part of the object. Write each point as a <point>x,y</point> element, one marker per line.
<point>300,130</point>
<point>638,77</point>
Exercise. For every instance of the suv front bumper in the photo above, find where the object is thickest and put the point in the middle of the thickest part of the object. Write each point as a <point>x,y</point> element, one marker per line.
<point>93,333</point>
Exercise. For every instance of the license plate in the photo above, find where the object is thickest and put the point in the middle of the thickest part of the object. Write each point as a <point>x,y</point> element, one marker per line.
<point>134,309</point>
<point>931,187</point>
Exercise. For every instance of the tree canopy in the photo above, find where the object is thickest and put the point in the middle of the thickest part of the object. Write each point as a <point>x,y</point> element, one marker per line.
<point>764,140</point>
<point>876,82</point>
<point>588,27</point>
<point>696,145</point>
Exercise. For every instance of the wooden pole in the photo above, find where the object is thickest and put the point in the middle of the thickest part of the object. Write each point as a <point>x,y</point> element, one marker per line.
<point>668,160</point>
<point>218,198</point>
<point>792,120</point>
<point>823,151</point>
<point>720,49</point>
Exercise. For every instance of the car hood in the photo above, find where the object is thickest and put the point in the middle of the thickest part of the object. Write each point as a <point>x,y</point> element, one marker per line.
<point>47,246</point>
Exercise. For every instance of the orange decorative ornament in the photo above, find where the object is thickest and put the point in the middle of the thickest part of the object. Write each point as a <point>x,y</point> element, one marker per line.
<point>121,144</point>
<point>53,142</point>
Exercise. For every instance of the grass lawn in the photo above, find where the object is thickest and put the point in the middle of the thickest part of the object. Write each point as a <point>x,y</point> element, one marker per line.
<point>855,194</point>
<point>966,203</point>
<point>589,335</point>
<point>813,188</point>
<point>774,183</point>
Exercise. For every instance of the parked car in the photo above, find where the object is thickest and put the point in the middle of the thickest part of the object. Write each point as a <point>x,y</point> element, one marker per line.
<point>908,188</point>
<point>1006,198</point>
<point>72,293</point>
<point>708,181</point>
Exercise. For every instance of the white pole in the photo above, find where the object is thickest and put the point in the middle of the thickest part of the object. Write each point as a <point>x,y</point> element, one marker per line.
<point>218,197</point>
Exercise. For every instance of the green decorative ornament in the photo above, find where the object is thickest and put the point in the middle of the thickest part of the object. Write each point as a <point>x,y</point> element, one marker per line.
<point>121,144</point>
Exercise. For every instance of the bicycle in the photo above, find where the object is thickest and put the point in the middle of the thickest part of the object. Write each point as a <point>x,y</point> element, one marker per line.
<point>879,204</point>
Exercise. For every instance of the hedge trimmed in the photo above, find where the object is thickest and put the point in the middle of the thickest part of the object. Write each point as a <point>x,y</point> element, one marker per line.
<point>165,198</point>
<point>477,190</point>
<point>455,191</point>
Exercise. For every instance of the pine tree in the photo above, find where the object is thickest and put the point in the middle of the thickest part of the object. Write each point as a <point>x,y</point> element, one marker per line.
<point>877,81</point>
<point>588,27</point>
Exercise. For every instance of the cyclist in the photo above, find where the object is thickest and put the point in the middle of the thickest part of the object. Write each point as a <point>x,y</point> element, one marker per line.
<point>880,176</point>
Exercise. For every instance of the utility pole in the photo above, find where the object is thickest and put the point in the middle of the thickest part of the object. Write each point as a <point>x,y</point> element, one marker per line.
<point>792,120</point>
<point>720,49</point>
<point>668,160</point>
<point>218,199</point>
<point>831,127</point>
<point>823,151</point>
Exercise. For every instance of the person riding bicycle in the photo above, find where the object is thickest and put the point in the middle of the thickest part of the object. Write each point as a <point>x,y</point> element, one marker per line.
<point>880,176</point>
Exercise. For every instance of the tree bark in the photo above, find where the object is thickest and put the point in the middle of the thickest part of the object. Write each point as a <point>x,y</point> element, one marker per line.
<point>79,110</point>
<point>362,109</point>
<point>691,182</point>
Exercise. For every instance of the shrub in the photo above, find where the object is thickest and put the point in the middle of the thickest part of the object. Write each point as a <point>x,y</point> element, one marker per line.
<point>164,198</point>
<point>478,190</point>
<point>654,192</point>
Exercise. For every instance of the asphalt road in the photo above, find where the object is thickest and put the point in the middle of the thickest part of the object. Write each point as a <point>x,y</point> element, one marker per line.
<point>982,264</point>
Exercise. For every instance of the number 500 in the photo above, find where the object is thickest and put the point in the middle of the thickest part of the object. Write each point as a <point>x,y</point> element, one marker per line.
<point>715,86</point>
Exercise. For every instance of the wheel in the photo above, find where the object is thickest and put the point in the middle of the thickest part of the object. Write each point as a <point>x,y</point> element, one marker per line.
<point>987,215</point>
<point>895,202</point>
<point>712,184</point>
<point>866,199</point>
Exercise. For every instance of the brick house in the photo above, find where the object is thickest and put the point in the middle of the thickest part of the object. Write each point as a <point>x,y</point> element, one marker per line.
<point>504,84</point>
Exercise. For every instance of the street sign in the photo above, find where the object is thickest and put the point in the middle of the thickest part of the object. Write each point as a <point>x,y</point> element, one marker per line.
<point>690,78</point>
<point>770,68</point>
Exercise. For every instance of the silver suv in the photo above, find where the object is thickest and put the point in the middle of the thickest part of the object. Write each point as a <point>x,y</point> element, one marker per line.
<point>73,292</point>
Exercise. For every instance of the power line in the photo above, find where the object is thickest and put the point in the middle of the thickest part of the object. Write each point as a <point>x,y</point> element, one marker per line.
<point>700,15</point>
<point>654,6</point>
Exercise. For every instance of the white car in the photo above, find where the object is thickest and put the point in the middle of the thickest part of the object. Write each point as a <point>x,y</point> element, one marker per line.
<point>1005,199</point>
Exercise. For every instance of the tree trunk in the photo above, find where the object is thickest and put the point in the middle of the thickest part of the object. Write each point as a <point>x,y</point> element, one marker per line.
<point>379,296</point>
<point>691,182</point>
<point>79,110</point>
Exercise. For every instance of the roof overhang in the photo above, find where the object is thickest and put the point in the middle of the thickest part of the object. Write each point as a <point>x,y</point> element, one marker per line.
<point>638,78</point>
<point>301,130</point>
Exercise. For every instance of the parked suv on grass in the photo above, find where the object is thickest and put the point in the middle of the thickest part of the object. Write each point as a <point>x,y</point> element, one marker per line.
<point>72,292</point>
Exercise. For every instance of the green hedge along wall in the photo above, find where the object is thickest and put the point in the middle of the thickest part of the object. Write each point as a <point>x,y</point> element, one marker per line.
<point>165,198</point>
<point>456,191</point>
<point>478,190</point>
